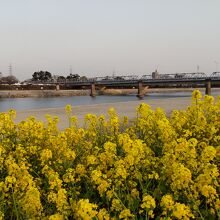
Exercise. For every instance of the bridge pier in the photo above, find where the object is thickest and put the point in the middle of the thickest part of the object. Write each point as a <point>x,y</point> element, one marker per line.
<point>208,87</point>
<point>92,91</point>
<point>57,87</point>
<point>140,90</point>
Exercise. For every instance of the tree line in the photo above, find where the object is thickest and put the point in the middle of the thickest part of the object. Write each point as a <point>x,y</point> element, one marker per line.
<point>8,79</point>
<point>42,76</point>
<point>46,76</point>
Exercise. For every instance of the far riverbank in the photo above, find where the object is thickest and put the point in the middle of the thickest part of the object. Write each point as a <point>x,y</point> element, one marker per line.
<point>86,92</point>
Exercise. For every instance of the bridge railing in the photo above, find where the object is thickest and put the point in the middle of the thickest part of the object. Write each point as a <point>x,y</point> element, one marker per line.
<point>215,74</point>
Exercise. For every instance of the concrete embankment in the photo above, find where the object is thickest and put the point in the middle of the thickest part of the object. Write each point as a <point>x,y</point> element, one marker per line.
<point>41,93</point>
<point>56,93</point>
<point>148,91</point>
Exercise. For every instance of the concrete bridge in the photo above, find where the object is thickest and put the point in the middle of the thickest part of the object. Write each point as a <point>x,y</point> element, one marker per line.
<point>143,84</point>
<point>198,79</point>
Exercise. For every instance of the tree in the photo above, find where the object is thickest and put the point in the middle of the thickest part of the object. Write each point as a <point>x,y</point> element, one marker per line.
<point>61,79</point>
<point>42,76</point>
<point>9,79</point>
<point>73,77</point>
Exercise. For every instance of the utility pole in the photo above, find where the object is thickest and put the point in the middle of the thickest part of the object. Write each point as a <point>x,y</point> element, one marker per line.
<point>10,69</point>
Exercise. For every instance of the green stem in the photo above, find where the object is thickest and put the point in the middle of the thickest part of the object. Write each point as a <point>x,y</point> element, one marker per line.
<point>14,202</point>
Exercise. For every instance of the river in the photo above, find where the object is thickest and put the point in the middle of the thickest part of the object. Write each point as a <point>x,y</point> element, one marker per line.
<point>53,102</point>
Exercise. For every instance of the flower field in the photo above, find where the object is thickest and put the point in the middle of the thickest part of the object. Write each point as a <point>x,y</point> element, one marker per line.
<point>150,167</point>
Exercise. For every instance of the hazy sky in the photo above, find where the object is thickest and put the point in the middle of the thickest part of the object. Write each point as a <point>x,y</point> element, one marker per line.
<point>96,37</point>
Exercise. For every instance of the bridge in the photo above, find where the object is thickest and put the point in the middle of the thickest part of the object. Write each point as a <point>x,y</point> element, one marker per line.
<point>198,79</point>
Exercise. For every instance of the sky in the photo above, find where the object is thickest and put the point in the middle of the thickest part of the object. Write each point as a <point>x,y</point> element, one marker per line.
<point>102,37</point>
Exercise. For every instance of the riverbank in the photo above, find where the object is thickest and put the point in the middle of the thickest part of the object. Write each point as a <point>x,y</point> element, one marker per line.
<point>86,92</point>
<point>123,109</point>
<point>41,93</point>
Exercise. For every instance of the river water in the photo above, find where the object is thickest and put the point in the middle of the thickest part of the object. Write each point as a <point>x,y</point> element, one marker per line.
<point>53,102</point>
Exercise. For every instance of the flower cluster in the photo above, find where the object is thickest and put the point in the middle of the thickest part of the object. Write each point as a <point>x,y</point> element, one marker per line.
<point>150,167</point>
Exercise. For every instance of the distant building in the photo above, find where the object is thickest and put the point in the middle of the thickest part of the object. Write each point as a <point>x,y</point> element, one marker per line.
<point>155,74</point>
